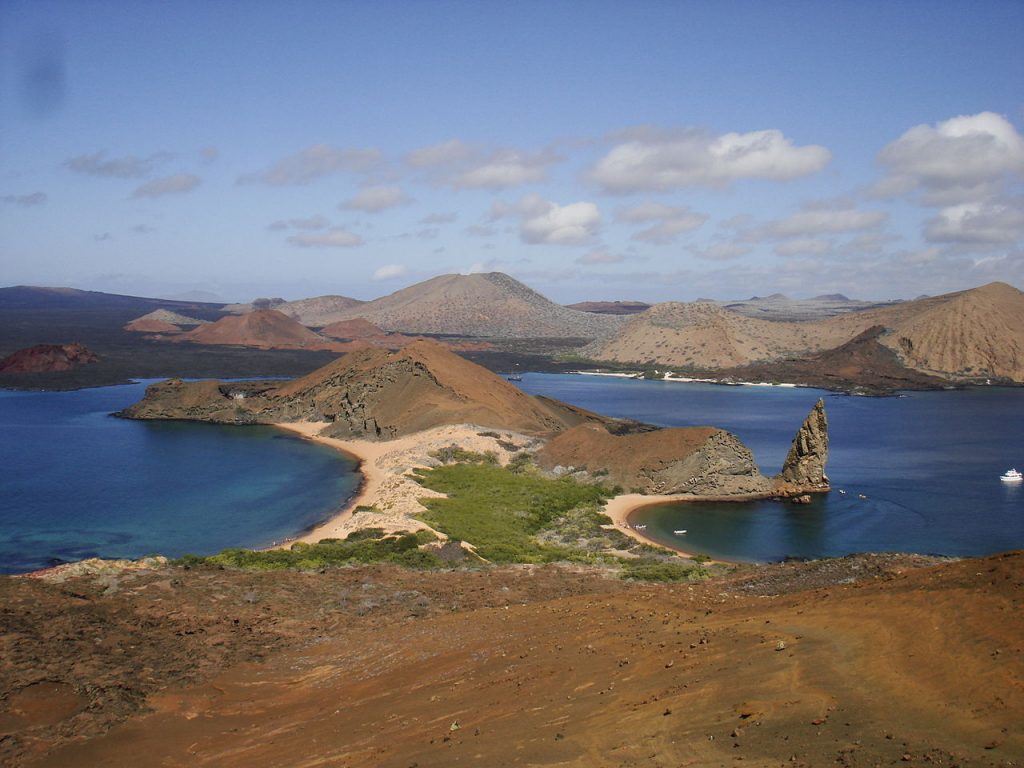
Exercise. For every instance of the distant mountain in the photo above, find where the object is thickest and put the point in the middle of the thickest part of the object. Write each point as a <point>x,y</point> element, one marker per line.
<point>371,394</point>
<point>320,310</point>
<point>611,307</point>
<point>357,328</point>
<point>965,336</point>
<point>162,321</point>
<point>488,305</point>
<point>28,297</point>
<point>265,328</point>
<point>781,307</point>
<point>704,336</point>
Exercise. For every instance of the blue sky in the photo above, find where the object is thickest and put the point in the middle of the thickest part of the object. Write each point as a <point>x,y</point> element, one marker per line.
<point>641,150</point>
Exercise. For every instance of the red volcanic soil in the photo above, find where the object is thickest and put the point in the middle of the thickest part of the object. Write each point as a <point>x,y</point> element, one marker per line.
<point>47,358</point>
<point>860,661</point>
<point>265,328</point>
<point>143,325</point>
<point>356,328</point>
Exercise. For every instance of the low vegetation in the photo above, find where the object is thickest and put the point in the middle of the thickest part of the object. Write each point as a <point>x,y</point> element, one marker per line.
<point>369,545</point>
<point>507,514</point>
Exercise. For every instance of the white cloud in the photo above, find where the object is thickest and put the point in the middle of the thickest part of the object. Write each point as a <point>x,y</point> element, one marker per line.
<point>992,222</point>
<point>25,201</point>
<point>600,257</point>
<point>819,219</point>
<point>390,272</point>
<point>376,199</point>
<point>439,218</point>
<point>542,221</point>
<point>804,246</point>
<point>314,163</point>
<point>670,221</point>
<point>652,160</point>
<point>169,185</point>
<point>964,159</point>
<point>465,166</point>
<point>130,167</point>
<point>721,251</point>
<point>449,153</point>
<point>332,238</point>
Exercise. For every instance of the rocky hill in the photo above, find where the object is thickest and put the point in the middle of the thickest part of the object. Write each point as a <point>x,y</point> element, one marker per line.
<point>704,461</point>
<point>781,307</point>
<point>264,328</point>
<point>357,328</point>
<point>162,321</point>
<point>970,335</point>
<point>320,310</point>
<point>705,336</point>
<point>973,334</point>
<point>488,305</point>
<point>372,394</point>
<point>47,358</point>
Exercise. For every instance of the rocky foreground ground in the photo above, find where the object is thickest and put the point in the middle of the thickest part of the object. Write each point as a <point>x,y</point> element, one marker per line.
<point>868,660</point>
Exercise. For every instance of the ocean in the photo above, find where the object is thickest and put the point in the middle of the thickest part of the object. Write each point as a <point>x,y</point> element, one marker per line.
<point>926,463</point>
<point>76,482</point>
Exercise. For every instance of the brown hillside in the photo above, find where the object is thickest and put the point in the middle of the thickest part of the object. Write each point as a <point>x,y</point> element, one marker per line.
<point>356,328</point>
<point>703,335</point>
<point>487,305</point>
<point>319,310</point>
<point>162,321</point>
<point>369,393</point>
<point>265,328</point>
<point>974,334</point>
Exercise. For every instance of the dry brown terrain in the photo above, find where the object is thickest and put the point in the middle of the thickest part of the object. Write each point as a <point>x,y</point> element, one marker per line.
<point>707,336</point>
<point>969,335</point>
<point>162,321</point>
<point>371,393</point>
<point>485,305</point>
<point>863,661</point>
<point>263,328</point>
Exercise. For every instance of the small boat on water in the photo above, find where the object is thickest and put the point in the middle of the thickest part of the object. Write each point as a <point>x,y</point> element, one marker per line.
<point>1011,476</point>
<point>679,533</point>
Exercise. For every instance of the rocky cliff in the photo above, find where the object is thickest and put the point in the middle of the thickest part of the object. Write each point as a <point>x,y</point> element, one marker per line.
<point>696,460</point>
<point>804,468</point>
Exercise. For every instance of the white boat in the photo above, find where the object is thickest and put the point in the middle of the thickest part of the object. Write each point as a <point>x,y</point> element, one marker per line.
<point>679,533</point>
<point>1011,476</point>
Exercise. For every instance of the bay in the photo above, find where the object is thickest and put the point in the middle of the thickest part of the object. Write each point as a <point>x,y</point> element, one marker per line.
<point>76,482</point>
<point>928,464</point>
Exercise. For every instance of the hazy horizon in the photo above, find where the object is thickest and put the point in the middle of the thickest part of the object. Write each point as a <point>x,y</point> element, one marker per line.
<point>595,151</point>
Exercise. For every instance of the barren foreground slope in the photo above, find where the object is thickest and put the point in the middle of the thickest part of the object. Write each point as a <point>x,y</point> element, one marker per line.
<point>862,661</point>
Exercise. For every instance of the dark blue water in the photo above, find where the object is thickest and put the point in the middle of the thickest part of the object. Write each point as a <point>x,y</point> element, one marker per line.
<point>928,463</point>
<point>77,483</point>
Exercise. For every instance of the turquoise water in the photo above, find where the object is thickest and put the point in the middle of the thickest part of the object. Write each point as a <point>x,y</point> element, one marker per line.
<point>76,482</point>
<point>928,463</point>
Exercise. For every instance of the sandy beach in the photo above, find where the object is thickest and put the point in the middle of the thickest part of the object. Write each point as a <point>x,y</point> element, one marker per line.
<point>386,466</point>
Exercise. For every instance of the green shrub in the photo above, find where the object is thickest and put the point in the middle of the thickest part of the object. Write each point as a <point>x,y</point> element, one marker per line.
<point>649,569</point>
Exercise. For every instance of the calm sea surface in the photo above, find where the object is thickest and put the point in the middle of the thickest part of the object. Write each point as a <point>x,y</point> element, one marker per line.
<point>76,482</point>
<point>928,464</point>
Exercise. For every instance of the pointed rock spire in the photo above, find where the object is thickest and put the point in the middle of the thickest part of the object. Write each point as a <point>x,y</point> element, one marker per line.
<point>804,468</point>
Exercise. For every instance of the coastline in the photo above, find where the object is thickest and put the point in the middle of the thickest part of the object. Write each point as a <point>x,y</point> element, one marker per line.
<point>386,484</point>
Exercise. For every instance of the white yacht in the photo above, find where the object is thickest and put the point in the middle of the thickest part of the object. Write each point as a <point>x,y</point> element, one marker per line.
<point>1011,476</point>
